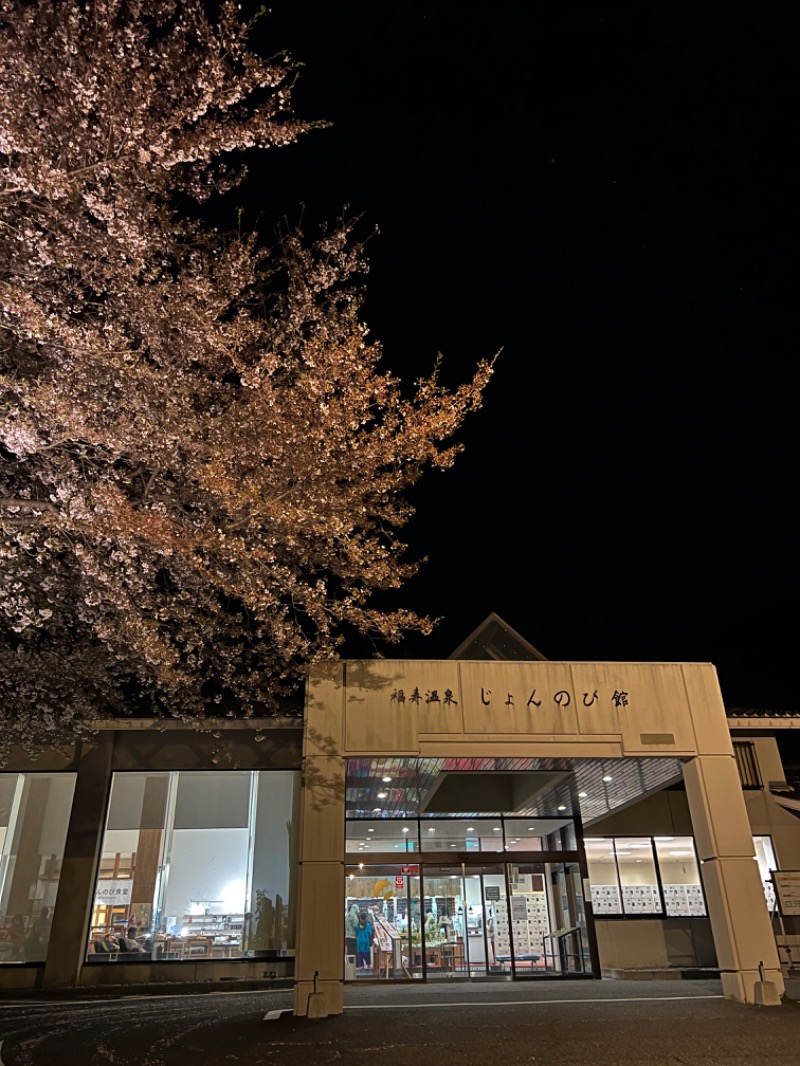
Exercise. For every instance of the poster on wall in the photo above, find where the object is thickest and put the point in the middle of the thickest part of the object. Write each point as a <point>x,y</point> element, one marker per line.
<point>519,909</point>
<point>787,888</point>
<point>141,914</point>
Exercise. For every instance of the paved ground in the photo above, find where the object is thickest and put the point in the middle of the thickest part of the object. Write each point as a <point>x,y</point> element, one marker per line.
<point>548,1023</point>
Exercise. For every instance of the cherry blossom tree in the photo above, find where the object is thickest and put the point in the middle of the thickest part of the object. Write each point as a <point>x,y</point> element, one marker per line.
<point>203,466</point>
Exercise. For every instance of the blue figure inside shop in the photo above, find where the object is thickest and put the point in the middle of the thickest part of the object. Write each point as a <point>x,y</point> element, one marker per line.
<point>364,937</point>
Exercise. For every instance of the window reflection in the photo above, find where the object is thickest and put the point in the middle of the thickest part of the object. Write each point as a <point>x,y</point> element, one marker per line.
<point>34,816</point>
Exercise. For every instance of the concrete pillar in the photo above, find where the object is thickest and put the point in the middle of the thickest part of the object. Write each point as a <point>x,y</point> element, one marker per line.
<point>320,902</point>
<point>73,908</point>
<point>740,922</point>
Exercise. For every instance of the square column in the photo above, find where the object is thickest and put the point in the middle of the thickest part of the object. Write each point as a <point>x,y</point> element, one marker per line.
<point>66,952</point>
<point>740,922</point>
<point>320,910</point>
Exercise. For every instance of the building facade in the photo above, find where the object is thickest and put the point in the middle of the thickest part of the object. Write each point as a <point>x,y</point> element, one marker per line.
<point>489,816</point>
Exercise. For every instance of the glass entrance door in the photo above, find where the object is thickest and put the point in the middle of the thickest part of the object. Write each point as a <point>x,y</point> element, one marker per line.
<point>460,909</point>
<point>472,920</point>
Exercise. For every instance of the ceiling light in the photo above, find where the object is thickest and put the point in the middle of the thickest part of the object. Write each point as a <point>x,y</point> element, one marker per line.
<point>405,830</point>
<point>453,845</point>
<point>376,810</point>
<point>496,829</point>
<point>382,795</point>
<point>361,866</point>
<point>386,780</point>
<point>531,828</point>
<point>562,808</point>
<point>582,795</point>
<point>370,830</point>
<point>608,777</point>
<point>470,828</point>
<point>431,830</point>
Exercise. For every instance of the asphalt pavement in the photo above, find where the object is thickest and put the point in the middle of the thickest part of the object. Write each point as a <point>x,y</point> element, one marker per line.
<point>548,1023</point>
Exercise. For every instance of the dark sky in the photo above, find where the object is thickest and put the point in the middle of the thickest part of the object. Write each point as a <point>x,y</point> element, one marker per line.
<point>610,195</point>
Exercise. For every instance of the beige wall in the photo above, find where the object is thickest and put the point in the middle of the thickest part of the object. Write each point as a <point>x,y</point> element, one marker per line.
<point>653,945</point>
<point>539,708</point>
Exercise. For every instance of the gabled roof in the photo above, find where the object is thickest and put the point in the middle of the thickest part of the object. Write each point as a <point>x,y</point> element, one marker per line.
<point>495,639</point>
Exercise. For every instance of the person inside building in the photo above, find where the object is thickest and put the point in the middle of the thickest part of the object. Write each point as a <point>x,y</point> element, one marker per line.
<point>17,935</point>
<point>109,944</point>
<point>364,937</point>
<point>38,936</point>
<point>351,930</point>
<point>128,942</point>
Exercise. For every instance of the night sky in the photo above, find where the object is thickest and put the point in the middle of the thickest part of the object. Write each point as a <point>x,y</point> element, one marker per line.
<point>610,195</point>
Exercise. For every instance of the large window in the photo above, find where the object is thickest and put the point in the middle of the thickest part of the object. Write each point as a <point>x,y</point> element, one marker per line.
<point>485,834</point>
<point>650,876</point>
<point>197,865</point>
<point>34,815</point>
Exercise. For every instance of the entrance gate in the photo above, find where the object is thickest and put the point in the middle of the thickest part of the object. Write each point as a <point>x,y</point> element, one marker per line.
<point>598,733</point>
